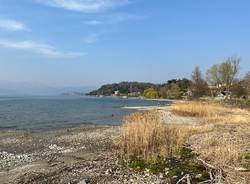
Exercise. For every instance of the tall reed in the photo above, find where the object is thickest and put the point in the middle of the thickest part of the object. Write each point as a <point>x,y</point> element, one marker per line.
<point>210,112</point>
<point>145,135</point>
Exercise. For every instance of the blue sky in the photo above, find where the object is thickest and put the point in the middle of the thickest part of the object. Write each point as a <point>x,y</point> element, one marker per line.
<point>91,42</point>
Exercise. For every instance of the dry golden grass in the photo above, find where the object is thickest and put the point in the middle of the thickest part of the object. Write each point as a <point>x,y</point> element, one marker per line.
<point>221,139</point>
<point>219,150</point>
<point>225,146</point>
<point>147,136</point>
<point>225,150</point>
<point>210,112</point>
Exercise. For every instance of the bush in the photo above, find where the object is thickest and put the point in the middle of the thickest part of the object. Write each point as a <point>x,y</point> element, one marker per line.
<point>150,93</point>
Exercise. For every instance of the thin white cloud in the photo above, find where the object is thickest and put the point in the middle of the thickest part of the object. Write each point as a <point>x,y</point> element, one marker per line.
<point>85,6</point>
<point>123,17</point>
<point>40,48</point>
<point>12,25</point>
<point>115,19</point>
<point>92,38</point>
<point>94,22</point>
<point>109,20</point>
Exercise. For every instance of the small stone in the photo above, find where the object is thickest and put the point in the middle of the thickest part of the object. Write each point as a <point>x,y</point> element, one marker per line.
<point>198,176</point>
<point>109,171</point>
<point>166,169</point>
<point>82,182</point>
<point>161,175</point>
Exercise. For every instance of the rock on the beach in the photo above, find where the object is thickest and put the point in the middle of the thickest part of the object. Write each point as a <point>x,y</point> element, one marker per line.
<point>82,182</point>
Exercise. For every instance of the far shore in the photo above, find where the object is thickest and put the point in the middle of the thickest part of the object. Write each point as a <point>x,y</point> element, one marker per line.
<point>139,98</point>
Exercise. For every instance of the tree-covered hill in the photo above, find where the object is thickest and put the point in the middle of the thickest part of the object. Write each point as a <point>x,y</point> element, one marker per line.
<point>175,88</point>
<point>123,88</point>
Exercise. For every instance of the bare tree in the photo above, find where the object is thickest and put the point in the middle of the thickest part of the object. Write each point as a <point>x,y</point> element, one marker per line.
<point>247,82</point>
<point>174,91</point>
<point>228,71</point>
<point>222,76</point>
<point>199,86</point>
<point>239,89</point>
<point>213,76</point>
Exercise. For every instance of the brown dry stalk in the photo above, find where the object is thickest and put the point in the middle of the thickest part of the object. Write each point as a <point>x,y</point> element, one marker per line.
<point>146,135</point>
<point>211,112</point>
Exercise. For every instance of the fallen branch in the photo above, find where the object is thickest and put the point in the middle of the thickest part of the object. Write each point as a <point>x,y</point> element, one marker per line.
<point>206,182</point>
<point>187,176</point>
<point>213,173</point>
<point>206,164</point>
<point>188,179</point>
<point>184,177</point>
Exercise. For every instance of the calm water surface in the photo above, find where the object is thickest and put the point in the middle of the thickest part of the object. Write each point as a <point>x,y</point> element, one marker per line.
<point>45,113</point>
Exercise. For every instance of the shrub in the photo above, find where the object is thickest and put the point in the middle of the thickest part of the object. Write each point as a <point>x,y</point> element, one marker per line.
<point>150,93</point>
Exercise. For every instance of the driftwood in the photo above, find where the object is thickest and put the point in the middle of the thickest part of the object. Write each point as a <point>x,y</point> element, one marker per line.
<point>205,182</point>
<point>188,179</point>
<point>206,164</point>
<point>187,176</point>
<point>215,174</point>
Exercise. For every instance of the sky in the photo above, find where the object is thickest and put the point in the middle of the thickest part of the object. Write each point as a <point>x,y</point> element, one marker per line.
<point>93,42</point>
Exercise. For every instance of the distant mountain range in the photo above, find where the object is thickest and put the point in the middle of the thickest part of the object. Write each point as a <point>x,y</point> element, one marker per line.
<point>38,89</point>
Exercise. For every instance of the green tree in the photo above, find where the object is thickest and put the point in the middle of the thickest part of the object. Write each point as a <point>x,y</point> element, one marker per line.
<point>150,93</point>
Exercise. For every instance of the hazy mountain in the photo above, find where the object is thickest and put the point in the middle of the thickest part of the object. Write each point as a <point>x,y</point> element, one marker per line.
<point>36,89</point>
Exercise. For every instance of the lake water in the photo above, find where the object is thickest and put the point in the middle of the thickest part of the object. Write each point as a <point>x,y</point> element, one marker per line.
<point>46,113</point>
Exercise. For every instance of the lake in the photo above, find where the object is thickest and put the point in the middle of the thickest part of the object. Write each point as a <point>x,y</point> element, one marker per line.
<point>47,113</point>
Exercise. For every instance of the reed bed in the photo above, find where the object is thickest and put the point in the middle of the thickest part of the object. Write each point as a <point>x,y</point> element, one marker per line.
<point>210,112</point>
<point>221,139</point>
<point>147,136</point>
<point>221,150</point>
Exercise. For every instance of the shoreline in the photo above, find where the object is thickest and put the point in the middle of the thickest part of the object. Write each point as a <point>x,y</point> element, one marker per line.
<point>147,108</point>
<point>83,124</point>
<point>24,152</point>
<point>88,153</point>
<point>46,119</point>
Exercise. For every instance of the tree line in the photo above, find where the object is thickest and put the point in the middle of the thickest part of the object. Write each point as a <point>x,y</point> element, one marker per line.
<point>219,79</point>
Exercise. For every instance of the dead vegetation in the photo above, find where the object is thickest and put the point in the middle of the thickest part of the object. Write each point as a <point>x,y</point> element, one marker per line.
<point>211,112</point>
<point>221,140</point>
<point>145,134</point>
<point>226,146</point>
